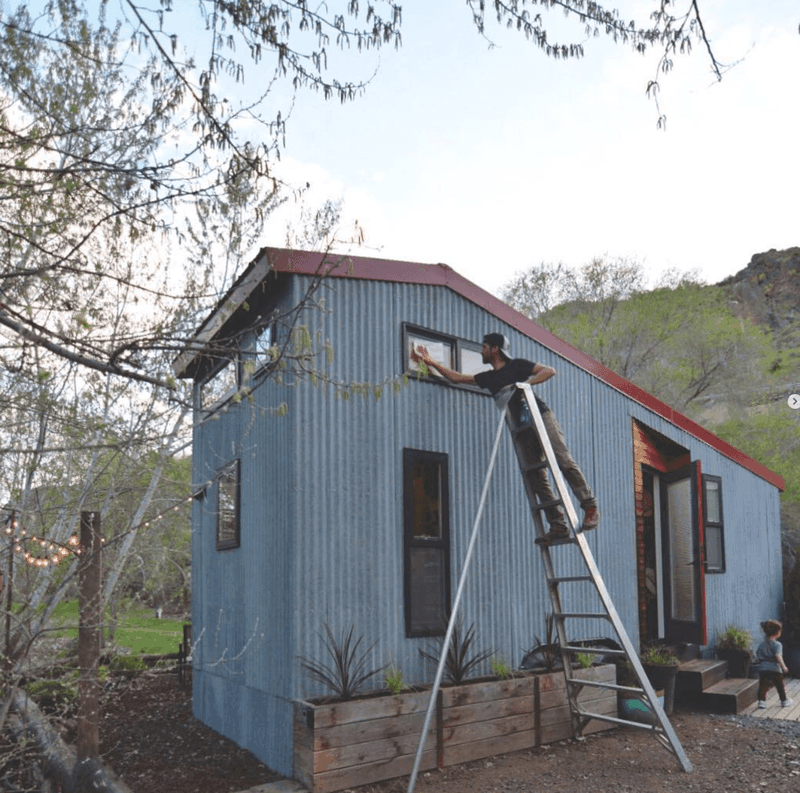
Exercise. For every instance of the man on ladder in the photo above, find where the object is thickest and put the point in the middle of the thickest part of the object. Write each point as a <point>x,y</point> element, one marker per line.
<point>506,371</point>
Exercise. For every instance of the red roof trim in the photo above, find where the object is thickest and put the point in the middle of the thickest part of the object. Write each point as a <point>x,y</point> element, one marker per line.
<point>308,263</point>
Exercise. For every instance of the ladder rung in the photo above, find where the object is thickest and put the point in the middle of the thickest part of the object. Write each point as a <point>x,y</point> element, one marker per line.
<point>566,579</point>
<point>615,720</point>
<point>595,650</point>
<point>601,684</point>
<point>582,615</point>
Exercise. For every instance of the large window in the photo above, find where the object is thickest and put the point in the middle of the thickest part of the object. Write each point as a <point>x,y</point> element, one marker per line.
<point>713,524</point>
<point>426,542</point>
<point>454,353</point>
<point>228,511</point>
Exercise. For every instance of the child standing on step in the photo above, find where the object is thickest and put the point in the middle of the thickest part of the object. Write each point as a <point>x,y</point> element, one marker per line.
<point>771,665</point>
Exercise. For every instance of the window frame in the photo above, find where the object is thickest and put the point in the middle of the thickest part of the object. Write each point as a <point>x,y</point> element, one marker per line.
<point>234,467</point>
<point>459,345</point>
<point>412,622</point>
<point>717,526</point>
<point>233,359</point>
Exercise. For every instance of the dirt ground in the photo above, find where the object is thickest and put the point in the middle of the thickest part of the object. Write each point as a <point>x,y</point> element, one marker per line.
<point>152,741</point>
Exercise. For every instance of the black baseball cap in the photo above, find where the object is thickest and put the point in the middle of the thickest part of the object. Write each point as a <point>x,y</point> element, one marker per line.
<point>501,342</point>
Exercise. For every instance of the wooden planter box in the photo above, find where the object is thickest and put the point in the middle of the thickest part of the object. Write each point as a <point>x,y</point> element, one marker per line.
<point>346,744</point>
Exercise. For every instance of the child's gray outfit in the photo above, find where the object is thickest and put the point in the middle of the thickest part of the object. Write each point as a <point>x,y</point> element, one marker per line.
<point>770,673</point>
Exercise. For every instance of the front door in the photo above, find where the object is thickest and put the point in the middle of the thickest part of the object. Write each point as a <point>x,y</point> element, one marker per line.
<point>682,537</point>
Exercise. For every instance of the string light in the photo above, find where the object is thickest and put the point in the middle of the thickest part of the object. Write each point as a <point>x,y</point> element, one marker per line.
<point>55,551</point>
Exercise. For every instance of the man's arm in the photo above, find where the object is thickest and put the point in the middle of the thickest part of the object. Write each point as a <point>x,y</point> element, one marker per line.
<point>541,373</point>
<point>421,354</point>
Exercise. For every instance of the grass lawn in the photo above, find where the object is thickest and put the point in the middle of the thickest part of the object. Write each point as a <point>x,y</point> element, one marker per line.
<point>137,629</point>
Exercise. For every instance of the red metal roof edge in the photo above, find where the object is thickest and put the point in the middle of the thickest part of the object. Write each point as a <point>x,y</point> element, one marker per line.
<point>346,266</point>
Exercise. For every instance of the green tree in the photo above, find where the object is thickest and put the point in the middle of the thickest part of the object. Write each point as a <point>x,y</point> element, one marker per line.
<point>680,342</point>
<point>125,144</point>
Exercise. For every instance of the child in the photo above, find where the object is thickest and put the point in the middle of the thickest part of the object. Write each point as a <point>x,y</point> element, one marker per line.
<point>771,665</point>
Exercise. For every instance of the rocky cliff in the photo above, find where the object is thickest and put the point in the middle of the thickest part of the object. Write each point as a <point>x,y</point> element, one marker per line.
<point>767,291</point>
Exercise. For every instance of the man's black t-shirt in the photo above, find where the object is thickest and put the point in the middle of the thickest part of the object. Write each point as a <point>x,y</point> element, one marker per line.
<point>517,370</point>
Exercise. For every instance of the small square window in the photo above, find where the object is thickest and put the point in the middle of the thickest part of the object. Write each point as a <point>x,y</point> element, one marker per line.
<point>441,350</point>
<point>472,360</point>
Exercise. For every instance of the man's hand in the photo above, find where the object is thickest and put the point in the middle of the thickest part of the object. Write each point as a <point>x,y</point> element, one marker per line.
<point>420,353</point>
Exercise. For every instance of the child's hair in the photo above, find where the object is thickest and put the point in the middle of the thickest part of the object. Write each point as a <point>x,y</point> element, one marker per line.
<point>771,627</point>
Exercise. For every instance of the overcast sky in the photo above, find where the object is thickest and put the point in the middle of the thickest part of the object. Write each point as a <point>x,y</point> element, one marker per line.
<point>494,159</point>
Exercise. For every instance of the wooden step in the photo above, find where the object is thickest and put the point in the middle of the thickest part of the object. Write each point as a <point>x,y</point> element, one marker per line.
<point>696,676</point>
<point>729,696</point>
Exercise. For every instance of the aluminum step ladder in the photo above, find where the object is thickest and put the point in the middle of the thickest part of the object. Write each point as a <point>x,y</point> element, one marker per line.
<point>535,454</point>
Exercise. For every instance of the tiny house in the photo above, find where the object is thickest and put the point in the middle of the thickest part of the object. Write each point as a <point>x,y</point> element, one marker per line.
<point>320,509</point>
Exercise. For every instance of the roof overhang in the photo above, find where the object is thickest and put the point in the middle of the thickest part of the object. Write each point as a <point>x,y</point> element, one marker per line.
<point>365,268</point>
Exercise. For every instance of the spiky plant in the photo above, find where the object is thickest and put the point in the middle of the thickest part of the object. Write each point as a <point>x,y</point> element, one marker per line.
<point>349,670</point>
<point>459,662</point>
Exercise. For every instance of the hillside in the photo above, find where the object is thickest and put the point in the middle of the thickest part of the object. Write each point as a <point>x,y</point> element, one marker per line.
<point>767,292</point>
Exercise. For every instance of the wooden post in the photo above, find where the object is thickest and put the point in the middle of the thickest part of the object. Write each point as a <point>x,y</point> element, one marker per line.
<point>88,733</point>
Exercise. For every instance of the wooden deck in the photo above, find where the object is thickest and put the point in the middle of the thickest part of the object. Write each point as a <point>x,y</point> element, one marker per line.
<point>774,709</point>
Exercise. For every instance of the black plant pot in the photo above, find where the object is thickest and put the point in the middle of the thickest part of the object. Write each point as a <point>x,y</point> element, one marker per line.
<point>662,676</point>
<point>738,661</point>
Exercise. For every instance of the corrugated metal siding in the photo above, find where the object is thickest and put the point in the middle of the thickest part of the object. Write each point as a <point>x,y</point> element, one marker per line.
<point>354,479</point>
<point>322,517</point>
<point>244,597</point>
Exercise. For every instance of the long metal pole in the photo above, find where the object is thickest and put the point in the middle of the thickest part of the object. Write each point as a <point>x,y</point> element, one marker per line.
<point>449,633</point>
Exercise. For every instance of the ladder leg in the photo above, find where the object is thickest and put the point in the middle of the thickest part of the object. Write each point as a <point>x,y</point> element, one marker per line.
<point>663,729</point>
<point>454,610</point>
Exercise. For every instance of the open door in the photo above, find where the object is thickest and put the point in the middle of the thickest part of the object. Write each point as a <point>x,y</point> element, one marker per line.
<point>684,574</point>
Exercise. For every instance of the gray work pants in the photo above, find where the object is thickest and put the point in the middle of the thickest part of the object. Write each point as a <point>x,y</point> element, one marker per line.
<point>572,473</point>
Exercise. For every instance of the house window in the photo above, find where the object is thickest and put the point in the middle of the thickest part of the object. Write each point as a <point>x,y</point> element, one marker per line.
<point>256,355</point>
<point>441,349</point>
<point>426,542</point>
<point>450,351</point>
<point>220,385</point>
<point>713,524</point>
<point>228,507</point>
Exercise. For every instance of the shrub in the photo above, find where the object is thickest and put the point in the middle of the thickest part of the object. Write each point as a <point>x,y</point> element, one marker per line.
<point>127,663</point>
<point>502,669</point>
<point>734,638</point>
<point>659,656</point>
<point>394,680</point>
<point>52,694</point>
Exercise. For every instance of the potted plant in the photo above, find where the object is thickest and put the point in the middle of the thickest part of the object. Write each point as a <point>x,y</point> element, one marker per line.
<point>661,667</point>
<point>733,646</point>
<point>634,706</point>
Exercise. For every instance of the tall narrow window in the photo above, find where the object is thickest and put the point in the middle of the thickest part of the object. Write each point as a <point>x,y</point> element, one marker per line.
<point>228,530</point>
<point>426,542</point>
<point>714,525</point>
